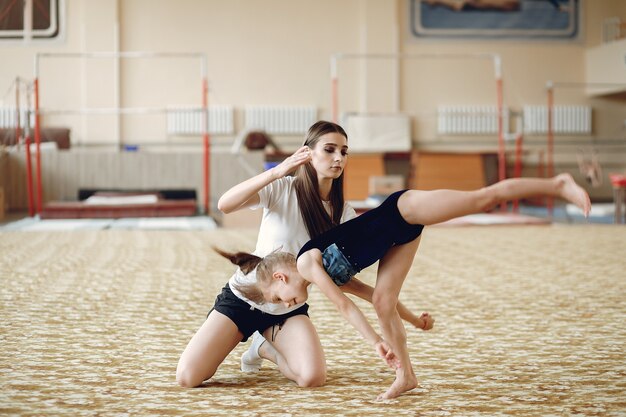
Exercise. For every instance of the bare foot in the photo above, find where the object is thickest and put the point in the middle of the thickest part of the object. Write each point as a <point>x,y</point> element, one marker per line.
<point>399,386</point>
<point>574,193</point>
<point>425,321</point>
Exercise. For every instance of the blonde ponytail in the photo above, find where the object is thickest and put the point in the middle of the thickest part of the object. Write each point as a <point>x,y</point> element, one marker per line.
<point>265,267</point>
<point>246,261</point>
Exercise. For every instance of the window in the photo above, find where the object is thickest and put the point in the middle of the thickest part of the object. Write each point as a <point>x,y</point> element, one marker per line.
<point>29,19</point>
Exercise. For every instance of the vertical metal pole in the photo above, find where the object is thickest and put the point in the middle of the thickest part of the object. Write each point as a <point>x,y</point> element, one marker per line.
<point>29,164</point>
<point>206,140</point>
<point>501,154</point>
<point>518,166</point>
<point>37,145</point>
<point>550,150</point>
<point>29,179</point>
<point>17,111</point>
<point>501,148</point>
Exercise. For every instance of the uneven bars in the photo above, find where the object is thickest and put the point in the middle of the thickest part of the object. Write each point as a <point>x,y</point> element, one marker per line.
<point>128,54</point>
<point>497,66</point>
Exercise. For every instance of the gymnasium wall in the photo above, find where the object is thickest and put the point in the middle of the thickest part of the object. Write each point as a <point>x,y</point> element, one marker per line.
<point>277,52</point>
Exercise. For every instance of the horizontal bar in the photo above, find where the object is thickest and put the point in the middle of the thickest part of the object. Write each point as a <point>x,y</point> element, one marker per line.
<point>127,54</point>
<point>414,56</point>
<point>115,110</point>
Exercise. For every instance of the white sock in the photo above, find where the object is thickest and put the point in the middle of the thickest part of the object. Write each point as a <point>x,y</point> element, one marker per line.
<point>251,361</point>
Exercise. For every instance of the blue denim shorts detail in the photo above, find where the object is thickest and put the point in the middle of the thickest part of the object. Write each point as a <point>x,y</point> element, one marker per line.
<point>337,266</point>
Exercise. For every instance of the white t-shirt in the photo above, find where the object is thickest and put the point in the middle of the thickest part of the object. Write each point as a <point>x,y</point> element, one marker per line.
<point>282,226</point>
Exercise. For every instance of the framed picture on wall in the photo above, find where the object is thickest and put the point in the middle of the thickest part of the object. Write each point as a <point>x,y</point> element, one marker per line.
<point>495,19</point>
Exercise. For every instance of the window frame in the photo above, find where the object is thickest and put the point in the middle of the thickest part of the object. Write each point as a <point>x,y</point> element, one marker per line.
<point>54,32</point>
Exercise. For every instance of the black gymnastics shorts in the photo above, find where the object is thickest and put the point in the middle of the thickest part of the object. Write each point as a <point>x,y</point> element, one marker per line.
<point>247,318</point>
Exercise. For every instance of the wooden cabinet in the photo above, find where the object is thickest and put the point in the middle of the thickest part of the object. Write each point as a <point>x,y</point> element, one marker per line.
<point>358,172</point>
<point>457,171</point>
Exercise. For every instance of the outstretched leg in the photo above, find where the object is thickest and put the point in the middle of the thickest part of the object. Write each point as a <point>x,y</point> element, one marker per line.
<point>392,270</point>
<point>431,207</point>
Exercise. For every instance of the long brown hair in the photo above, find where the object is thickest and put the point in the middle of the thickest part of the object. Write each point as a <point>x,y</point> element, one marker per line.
<point>315,216</point>
<point>265,267</point>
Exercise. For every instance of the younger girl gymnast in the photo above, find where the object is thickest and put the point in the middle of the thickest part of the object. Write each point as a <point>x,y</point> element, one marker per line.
<point>390,234</point>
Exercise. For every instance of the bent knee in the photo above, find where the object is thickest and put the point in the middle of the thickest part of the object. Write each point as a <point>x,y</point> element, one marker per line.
<point>186,378</point>
<point>312,379</point>
<point>384,304</point>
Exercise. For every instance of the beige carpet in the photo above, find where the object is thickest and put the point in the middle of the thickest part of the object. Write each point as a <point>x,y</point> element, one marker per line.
<point>530,322</point>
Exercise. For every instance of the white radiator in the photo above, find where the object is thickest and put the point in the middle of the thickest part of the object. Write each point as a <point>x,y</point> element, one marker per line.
<point>188,120</point>
<point>378,132</point>
<point>280,119</point>
<point>470,120</point>
<point>8,117</point>
<point>565,119</point>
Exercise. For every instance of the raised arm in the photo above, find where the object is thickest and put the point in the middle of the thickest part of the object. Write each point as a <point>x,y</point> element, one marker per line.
<point>246,193</point>
<point>311,269</point>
